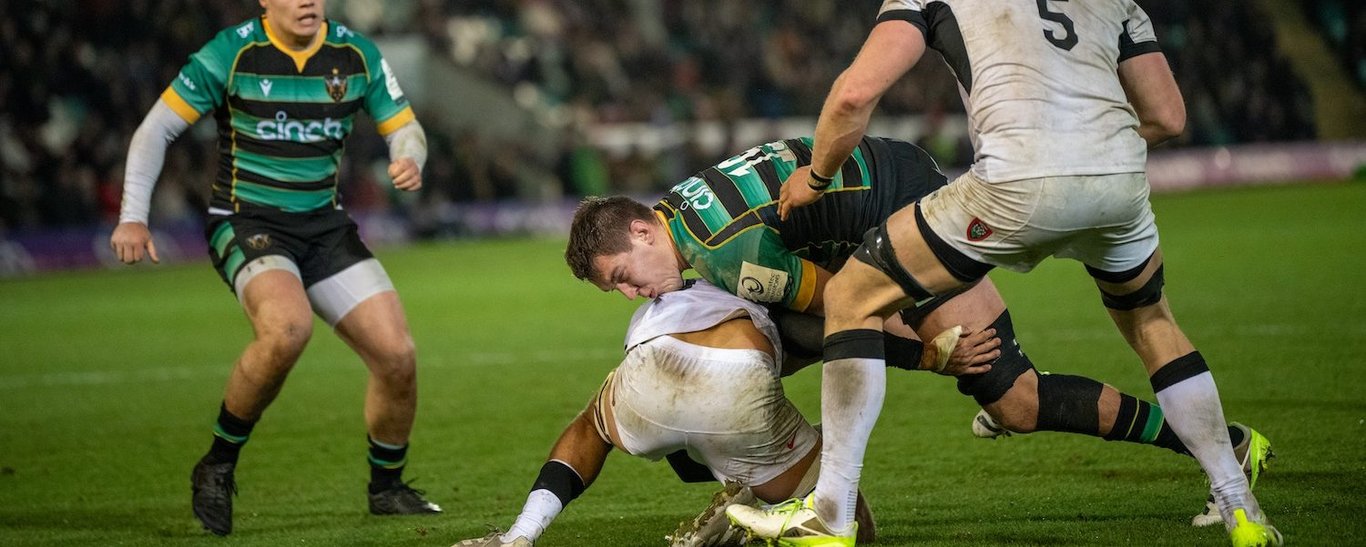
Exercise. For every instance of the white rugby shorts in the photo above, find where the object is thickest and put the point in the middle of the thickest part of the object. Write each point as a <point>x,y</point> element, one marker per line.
<point>1104,221</point>
<point>726,407</point>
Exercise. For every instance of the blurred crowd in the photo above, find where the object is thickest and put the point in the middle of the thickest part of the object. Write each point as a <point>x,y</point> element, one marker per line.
<point>78,76</point>
<point>1343,26</point>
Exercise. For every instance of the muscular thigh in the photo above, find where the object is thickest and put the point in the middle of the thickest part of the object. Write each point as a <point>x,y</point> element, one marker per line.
<point>974,309</point>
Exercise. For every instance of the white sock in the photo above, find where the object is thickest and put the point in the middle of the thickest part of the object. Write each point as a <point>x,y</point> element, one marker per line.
<point>541,508</point>
<point>1192,408</point>
<point>851,399</point>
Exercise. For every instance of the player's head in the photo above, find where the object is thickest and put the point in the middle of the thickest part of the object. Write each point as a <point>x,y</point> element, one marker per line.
<point>294,21</point>
<point>616,243</point>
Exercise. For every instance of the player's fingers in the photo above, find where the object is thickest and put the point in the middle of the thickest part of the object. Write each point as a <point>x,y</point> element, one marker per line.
<point>986,357</point>
<point>975,369</point>
<point>990,344</point>
<point>152,252</point>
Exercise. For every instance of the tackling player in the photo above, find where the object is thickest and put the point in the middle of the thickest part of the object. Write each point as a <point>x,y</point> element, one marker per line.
<point>723,223</point>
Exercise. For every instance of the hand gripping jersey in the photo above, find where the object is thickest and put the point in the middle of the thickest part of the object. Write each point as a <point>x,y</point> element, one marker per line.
<point>283,114</point>
<point>725,223</point>
<point>1039,79</point>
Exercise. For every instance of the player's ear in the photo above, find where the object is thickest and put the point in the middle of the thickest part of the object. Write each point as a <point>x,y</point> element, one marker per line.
<point>642,230</point>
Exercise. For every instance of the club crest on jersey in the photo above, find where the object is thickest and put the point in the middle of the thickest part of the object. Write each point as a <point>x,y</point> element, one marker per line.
<point>336,86</point>
<point>978,230</point>
<point>259,241</point>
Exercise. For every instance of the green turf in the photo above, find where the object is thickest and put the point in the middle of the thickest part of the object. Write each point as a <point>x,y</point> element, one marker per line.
<point>109,382</point>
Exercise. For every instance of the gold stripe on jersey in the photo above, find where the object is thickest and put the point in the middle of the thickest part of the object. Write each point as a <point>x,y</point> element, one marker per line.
<point>300,57</point>
<point>398,120</point>
<point>807,291</point>
<point>179,106</point>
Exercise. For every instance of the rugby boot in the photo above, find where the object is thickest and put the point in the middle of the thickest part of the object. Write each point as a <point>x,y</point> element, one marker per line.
<point>793,523</point>
<point>400,499</point>
<point>213,487</point>
<point>1255,454</point>
<point>711,528</point>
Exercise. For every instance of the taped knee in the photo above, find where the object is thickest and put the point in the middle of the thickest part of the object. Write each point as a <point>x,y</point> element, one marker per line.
<point>1150,293</point>
<point>988,387</point>
<point>1068,403</point>
<point>903,353</point>
<point>877,251</point>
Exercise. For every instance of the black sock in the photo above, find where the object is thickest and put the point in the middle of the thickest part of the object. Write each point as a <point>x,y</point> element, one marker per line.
<point>1142,422</point>
<point>229,434</point>
<point>386,464</point>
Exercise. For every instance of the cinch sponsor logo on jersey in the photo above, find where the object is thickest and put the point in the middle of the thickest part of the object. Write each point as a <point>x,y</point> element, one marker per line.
<point>186,80</point>
<point>697,193</point>
<point>285,129</point>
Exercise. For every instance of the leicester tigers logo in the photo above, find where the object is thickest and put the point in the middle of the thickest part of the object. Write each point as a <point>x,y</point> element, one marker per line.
<point>336,86</point>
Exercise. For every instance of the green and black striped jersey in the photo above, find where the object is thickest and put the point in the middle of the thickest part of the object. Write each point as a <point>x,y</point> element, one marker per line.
<point>283,114</point>
<point>724,220</point>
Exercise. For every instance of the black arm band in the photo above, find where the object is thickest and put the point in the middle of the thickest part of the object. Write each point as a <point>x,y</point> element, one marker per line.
<point>561,480</point>
<point>820,182</point>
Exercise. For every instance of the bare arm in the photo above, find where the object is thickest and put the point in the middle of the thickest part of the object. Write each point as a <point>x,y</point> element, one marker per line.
<point>581,448</point>
<point>1152,90</point>
<point>889,52</point>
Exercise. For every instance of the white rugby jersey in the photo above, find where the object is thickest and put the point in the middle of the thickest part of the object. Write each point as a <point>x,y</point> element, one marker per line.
<point>699,307</point>
<point>1040,82</point>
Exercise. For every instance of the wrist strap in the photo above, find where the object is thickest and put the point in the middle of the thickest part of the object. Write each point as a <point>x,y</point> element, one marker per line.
<point>819,182</point>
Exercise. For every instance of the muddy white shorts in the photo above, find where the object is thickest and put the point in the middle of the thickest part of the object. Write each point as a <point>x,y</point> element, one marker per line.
<point>1104,221</point>
<point>726,407</point>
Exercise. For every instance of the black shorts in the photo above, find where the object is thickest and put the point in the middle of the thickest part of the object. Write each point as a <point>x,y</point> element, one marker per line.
<point>321,243</point>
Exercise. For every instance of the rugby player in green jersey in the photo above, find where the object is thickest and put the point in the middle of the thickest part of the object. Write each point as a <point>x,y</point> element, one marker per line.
<point>284,89</point>
<point>723,222</point>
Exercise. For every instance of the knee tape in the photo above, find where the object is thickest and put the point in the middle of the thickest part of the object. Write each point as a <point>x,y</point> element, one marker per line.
<point>1150,293</point>
<point>877,252</point>
<point>1068,403</point>
<point>903,353</point>
<point>988,387</point>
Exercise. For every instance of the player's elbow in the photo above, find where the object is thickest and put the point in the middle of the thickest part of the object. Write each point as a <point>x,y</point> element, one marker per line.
<point>1172,123</point>
<point>1165,123</point>
<point>847,97</point>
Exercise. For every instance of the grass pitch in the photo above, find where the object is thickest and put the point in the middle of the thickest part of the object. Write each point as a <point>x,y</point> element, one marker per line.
<point>110,381</point>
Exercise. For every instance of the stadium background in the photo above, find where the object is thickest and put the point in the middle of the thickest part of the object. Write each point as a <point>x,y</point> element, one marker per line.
<point>108,375</point>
